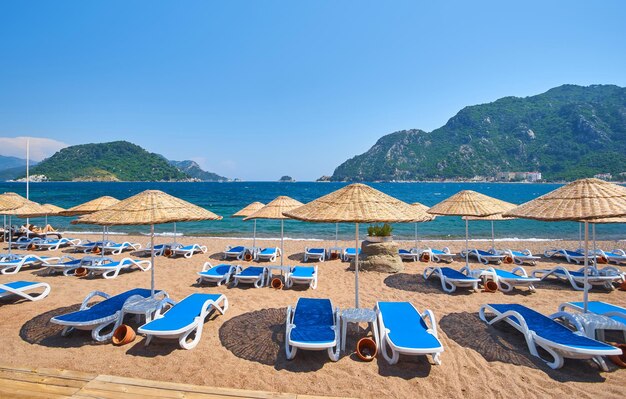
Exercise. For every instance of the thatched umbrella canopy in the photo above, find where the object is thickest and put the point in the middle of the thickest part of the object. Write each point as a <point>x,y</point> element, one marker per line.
<point>358,203</point>
<point>275,210</point>
<point>470,203</point>
<point>581,200</point>
<point>92,206</point>
<point>8,202</point>
<point>25,206</point>
<point>149,207</point>
<point>247,211</point>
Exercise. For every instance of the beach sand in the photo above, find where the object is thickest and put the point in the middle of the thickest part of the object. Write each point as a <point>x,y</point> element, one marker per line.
<point>244,348</point>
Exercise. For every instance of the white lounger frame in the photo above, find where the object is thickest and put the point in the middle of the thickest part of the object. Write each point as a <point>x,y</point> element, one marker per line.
<point>61,242</point>
<point>236,255</point>
<point>578,283</point>
<point>412,255</point>
<point>95,326</point>
<point>219,280</point>
<point>386,344</point>
<point>447,256</point>
<point>450,285</point>
<point>506,284</point>
<point>258,281</point>
<point>562,253</point>
<point>24,242</point>
<point>27,260</point>
<point>484,259</point>
<point>182,334</point>
<point>271,258</point>
<point>314,256</point>
<point>119,248</point>
<point>290,279</point>
<point>557,351</point>
<point>291,347</point>
<point>188,253</point>
<point>22,291</point>
<point>110,272</point>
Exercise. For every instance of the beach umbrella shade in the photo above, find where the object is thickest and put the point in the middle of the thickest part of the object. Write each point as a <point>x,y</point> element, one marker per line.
<point>25,207</point>
<point>275,210</point>
<point>470,203</point>
<point>92,206</point>
<point>247,211</point>
<point>422,208</point>
<point>149,207</point>
<point>582,200</point>
<point>358,203</point>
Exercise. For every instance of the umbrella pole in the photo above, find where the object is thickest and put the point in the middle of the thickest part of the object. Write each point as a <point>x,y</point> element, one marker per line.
<point>493,238</point>
<point>466,243</point>
<point>254,237</point>
<point>282,241</point>
<point>152,260</point>
<point>102,246</point>
<point>595,255</point>
<point>586,289</point>
<point>416,248</point>
<point>336,233</point>
<point>10,235</point>
<point>45,227</point>
<point>356,264</point>
<point>580,234</point>
<point>174,232</point>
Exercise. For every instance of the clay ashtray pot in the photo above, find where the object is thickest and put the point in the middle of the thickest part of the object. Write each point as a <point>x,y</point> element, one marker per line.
<point>366,349</point>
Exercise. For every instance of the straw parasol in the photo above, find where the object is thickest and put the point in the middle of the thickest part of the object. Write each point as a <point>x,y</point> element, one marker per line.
<point>247,211</point>
<point>92,206</point>
<point>149,207</point>
<point>25,206</point>
<point>582,200</point>
<point>423,209</point>
<point>358,203</point>
<point>470,203</point>
<point>275,210</point>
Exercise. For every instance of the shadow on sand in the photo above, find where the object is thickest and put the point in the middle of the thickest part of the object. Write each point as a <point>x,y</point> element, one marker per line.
<point>503,343</point>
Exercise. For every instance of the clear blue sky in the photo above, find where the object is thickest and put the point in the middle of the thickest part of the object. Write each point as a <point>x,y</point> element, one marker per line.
<point>258,89</point>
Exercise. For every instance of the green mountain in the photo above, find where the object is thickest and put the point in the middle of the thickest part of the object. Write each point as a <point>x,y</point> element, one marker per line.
<point>567,133</point>
<point>193,170</point>
<point>115,161</point>
<point>7,162</point>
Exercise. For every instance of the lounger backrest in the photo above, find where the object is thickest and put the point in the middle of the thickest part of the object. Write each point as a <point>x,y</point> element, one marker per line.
<point>406,327</point>
<point>189,308</point>
<point>303,271</point>
<point>451,273</point>
<point>104,308</point>
<point>507,274</point>
<point>16,285</point>
<point>220,269</point>
<point>236,249</point>
<point>547,328</point>
<point>314,312</point>
<point>251,271</point>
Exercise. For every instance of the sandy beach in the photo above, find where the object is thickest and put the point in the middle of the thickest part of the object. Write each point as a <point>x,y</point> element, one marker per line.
<point>244,348</point>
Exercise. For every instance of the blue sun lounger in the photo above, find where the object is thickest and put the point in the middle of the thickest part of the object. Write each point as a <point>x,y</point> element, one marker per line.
<point>97,317</point>
<point>250,275</point>
<point>302,275</point>
<point>451,279</point>
<point>219,274</point>
<point>443,255</point>
<point>268,254</point>
<point>313,324</point>
<point>185,318</point>
<point>349,254</point>
<point>20,288</point>
<point>484,257</point>
<point>15,265</point>
<point>570,256</point>
<point>577,278</point>
<point>507,280</point>
<point>188,251</point>
<point>318,254</point>
<point>110,270</point>
<point>403,330</point>
<point>238,252</point>
<point>408,254</point>
<point>539,330</point>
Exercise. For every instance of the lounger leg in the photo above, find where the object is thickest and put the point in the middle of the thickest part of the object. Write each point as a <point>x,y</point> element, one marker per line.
<point>437,359</point>
<point>148,339</point>
<point>182,341</point>
<point>68,330</point>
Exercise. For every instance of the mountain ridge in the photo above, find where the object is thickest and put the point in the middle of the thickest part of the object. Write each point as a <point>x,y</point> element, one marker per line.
<point>566,133</point>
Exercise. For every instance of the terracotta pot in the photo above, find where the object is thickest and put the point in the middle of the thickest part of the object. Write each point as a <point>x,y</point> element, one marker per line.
<point>276,283</point>
<point>366,349</point>
<point>247,257</point>
<point>601,260</point>
<point>81,272</point>
<point>508,259</point>
<point>167,253</point>
<point>622,286</point>
<point>123,335</point>
<point>334,256</point>
<point>31,247</point>
<point>491,286</point>
<point>619,360</point>
<point>95,250</point>
<point>425,257</point>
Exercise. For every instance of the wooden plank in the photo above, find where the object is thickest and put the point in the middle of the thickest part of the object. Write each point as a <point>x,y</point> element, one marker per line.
<point>36,387</point>
<point>42,379</point>
<point>228,392</point>
<point>62,373</point>
<point>139,390</point>
<point>7,392</point>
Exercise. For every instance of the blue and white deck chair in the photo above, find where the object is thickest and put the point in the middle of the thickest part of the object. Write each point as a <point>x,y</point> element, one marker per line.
<point>312,324</point>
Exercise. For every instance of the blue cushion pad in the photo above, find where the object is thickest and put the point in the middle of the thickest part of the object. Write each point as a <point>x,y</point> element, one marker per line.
<point>313,319</point>
<point>105,308</point>
<point>303,271</point>
<point>182,314</point>
<point>251,271</point>
<point>16,285</point>
<point>406,327</point>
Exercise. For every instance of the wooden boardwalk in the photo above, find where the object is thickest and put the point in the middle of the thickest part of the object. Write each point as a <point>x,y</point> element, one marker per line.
<point>53,383</point>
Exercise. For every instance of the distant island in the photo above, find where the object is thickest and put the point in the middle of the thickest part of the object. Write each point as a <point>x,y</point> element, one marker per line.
<point>116,161</point>
<point>567,133</point>
<point>286,179</point>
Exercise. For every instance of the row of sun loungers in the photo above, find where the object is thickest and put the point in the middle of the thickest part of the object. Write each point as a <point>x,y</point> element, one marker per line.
<point>258,276</point>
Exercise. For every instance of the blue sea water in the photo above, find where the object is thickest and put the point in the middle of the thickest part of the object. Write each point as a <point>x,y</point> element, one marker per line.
<point>227,198</point>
